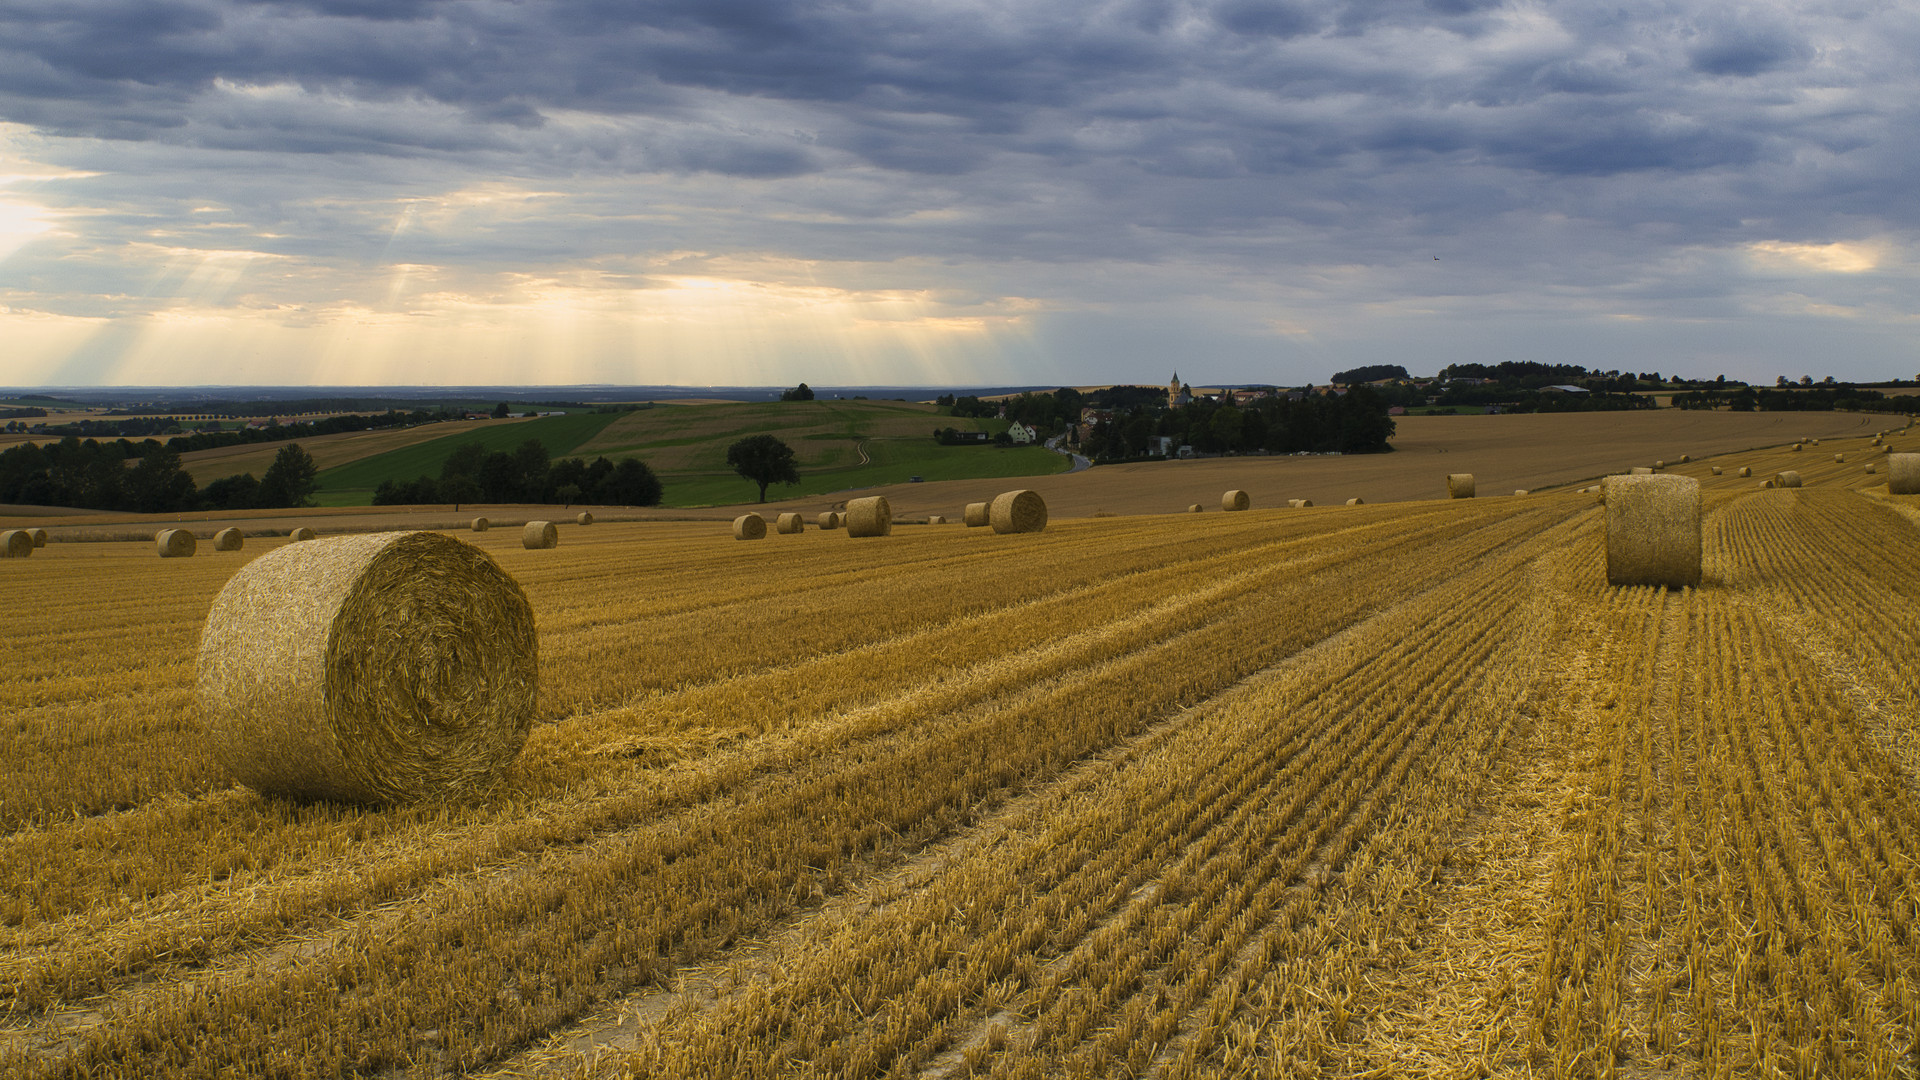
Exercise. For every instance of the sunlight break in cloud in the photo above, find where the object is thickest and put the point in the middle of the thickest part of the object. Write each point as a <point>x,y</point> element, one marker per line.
<point>1836,258</point>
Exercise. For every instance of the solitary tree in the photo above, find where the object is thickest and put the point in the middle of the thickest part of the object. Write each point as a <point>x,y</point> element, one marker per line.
<point>803,392</point>
<point>764,460</point>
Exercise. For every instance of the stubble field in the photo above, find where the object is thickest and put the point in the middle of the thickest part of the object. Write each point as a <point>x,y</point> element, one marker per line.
<point>1364,791</point>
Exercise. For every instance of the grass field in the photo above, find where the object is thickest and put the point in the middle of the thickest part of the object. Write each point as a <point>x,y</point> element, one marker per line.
<point>352,483</point>
<point>1382,790</point>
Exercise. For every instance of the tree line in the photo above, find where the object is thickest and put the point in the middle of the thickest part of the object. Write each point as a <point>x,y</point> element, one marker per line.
<point>96,475</point>
<point>474,474</point>
<point>1353,423</point>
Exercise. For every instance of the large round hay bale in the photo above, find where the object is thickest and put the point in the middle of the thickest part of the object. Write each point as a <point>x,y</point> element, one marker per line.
<point>790,523</point>
<point>1356,501</point>
<point>584,517</point>
<point>1746,470</point>
<point>977,515</point>
<point>175,543</point>
<point>1460,485</point>
<point>39,537</point>
<point>1641,470</point>
<point>1903,474</point>
<point>1653,530</point>
<point>871,516</point>
<point>1195,508</point>
<point>1235,500</point>
<point>827,520</point>
<point>480,525</point>
<point>539,535</point>
<point>1022,511</point>
<point>300,535</point>
<point>383,668</point>
<point>1786,479</point>
<point>229,539</point>
<point>749,527</point>
<point>16,544</point>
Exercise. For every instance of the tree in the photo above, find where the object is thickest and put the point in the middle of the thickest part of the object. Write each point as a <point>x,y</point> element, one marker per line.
<point>290,480</point>
<point>629,483</point>
<point>764,460</point>
<point>158,484</point>
<point>501,411</point>
<point>803,392</point>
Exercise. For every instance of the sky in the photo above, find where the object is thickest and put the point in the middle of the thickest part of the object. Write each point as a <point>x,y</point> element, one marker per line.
<point>952,192</point>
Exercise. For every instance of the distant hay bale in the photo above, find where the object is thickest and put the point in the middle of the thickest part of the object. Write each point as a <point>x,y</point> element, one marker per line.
<point>16,544</point>
<point>175,544</point>
<point>788,524</point>
<point>1022,511</point>
<point>1787,479</point>
<point>480,525</point>
<point>539,535</point>
<point>871,516</point>
<point>384,668</point>
<point>826,519</point>
<point>39,537</point>
<point>300,534</point>
<point>937,519</point>
<point>1517,492</point>
<point>1839,459</point>
<point>229,539</point>
<point>1766,484</point>
<point>1235,500</point>
<point>1813,442</point>
<point>1356,501</point>
<point>1870,469</point>
<point>1293,504</point>
<point>584,517</point>
<point>1641,470</point>
<point>1194,508</point>
<point>1716,469</point>
<point>1460,485</point>
<point>977,514</point>
<point>1685,458</point>
<point>1653,530</point>
<point>1746,470</point>
<point>1903,474</point>
<point>1796,448</point>
<point>749,527</point>
<point>1658,465</point>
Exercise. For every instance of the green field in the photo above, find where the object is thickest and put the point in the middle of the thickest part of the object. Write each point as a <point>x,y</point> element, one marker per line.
<point>352,484</point>
<point>839,444</point>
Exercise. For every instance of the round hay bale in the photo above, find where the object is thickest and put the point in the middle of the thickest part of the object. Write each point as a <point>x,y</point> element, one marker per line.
<point>1517,492</point>
<point>1641,470</point>
<point>1796,448</point>
<point>937,519</point>
<point>1658,465</point>
<point>1022,511</point>
<point>1685,458</point>
<point>16,544</point>
<point>1903,474</point>
<point>826,519</point>
<point>871,516</point>
<point>1786,479</point>
<point>1813,442</point>
<point>1766,484</point>
<point>1870,468</point>
<point>539,535</point>
<point>300,534</point>
<point>584,517</point>
<point>788,524</point>
<point>977,514</point>
<point>39,537</point>
<point>1839,459</point>
<point>480,525</point>
<point>229,539</point>
<point>175,544</point>
<point>385,668</point>
<point>1356,501</point>
<point>1460,485</point>
<point>1746,470</point>
<point>1235,500</point>
<point>1194,508</point>
<point>1653,530</point>
<point>749,527</point>
<point>1716,469</point>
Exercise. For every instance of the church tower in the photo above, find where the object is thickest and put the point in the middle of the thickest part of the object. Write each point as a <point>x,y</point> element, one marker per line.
<point>1173,392</point>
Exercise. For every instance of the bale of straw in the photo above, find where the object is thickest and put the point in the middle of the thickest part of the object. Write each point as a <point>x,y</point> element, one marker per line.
<point>1746,470</point>
<point>1839,459</point>
<point>1870,469</point>
<point>1022,511</point>
<point>977,514</point>
<point>1658,465</point>
<point>229,539</point>
<point>788,524</point>
<point>937,520</point>
<point>16,544</point>
<point>1641,470</point>
<point>826,519</point>
<point>539,535</point>
<point>1685,458</point>
<point>1766,483</point>
<point>1293,504</point>
<point>1653,530</point>
<point>1786,479</point>
<point>1356,501</point>
<point>1235,500</point>
<point>175,544</point>
<point>1460,485</point>
<point>1813,442</point>
<point>384,668</point>
<point>1716,469</point>
<point>480,525</point>
<point>749,527</point>
<point>871,516</point>
<point>1519,492</point>
<point>584,517</point>
<point>1903,474</point>
<point>39,537</point>
<point>300,534</point>
<point>1796,448</point>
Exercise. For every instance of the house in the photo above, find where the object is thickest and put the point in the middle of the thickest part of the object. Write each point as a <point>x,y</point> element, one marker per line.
<point>962,437</point>
<point>1021,434</point>
<point>1563,389</point>
<point>1160,445</point>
